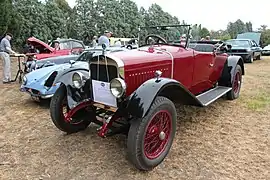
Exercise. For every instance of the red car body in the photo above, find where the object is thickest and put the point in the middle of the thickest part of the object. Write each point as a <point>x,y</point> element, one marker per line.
<point>203,68</point>
<point>138,88</point>
<point>67,46</point>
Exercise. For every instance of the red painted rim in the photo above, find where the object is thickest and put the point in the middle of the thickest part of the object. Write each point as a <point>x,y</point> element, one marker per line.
<point>65,111</point>
<point>237,83</point>
<point>158,133</point>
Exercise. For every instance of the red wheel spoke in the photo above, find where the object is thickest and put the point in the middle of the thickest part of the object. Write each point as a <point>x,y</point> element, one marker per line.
<point>158,134</point>
<point>151,136</point>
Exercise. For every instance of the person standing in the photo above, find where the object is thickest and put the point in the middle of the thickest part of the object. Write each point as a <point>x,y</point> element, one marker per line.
<point>94,41</point>
<point>5,51</point>
<point>104,39</point>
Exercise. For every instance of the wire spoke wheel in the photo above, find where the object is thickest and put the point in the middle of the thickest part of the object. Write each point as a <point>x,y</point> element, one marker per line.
<point>150,138</point>
<point>157,134</point>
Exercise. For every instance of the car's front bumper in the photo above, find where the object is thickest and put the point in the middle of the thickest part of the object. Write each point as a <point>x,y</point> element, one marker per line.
<point>243,55</point>
<point>266,52</point>
<point>36,93</point>
<point>39,93</point>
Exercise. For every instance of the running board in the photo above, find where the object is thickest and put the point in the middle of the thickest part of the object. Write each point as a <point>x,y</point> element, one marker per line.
<point>210,96</point>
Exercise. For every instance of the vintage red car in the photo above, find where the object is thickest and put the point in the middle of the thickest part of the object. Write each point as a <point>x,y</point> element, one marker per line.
<point>134,92</point>
<point>57,47</point>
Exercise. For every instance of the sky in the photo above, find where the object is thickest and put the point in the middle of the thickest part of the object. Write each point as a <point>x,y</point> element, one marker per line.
<point>213,14</point>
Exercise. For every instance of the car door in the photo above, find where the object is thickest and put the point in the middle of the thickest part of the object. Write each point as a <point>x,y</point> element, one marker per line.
<point>204,60</point>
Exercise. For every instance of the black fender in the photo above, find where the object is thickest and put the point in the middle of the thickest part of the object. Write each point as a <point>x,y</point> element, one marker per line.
<point>74,95</point>
<point>65,77</point>
<point>140,101</point>
<point>229,67</point>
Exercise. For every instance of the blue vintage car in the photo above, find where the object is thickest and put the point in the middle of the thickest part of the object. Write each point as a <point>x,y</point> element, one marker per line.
<point>39,82</point>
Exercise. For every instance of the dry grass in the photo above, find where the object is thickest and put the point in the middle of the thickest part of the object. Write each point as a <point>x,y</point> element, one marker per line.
<point>227,140</point>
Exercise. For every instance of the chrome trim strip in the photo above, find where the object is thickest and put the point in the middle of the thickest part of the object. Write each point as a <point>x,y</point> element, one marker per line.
<point>170,54</point>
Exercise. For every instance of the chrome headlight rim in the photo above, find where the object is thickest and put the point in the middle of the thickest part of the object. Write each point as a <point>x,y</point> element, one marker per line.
<point>24,80</point>
<point>77,83</point>
<point>120,84</point>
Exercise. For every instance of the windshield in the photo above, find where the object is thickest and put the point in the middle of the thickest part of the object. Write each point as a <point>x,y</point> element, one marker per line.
<point>238,43</point>
<point>173,35</point>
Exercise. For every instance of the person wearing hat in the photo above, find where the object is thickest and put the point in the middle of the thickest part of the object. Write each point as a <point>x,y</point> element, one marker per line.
<point>104,39</point>
<point>5,51</point>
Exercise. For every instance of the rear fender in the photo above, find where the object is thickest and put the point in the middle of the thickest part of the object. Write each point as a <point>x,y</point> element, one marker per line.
<point>229,67</point>
<point>141,100</point>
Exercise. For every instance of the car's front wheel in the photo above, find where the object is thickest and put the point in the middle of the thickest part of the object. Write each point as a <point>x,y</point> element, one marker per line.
<point>59,108</point>
<point>259,57</point>
<point>236,84</point>
<point>150,138</point>
<point>250,59</point>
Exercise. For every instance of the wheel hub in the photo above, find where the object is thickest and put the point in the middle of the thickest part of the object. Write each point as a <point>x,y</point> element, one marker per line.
<point>162,135</point>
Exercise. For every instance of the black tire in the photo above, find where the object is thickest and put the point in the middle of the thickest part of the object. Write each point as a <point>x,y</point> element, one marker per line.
<point>250,59</point>
<point>137,133</point>
<point>56,111</point>
<point>234,94</point>
<point>259,57</point>
<point>129,47</point>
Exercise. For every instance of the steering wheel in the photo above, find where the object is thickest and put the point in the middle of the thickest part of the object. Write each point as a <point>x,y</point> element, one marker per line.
<point>155,36</point>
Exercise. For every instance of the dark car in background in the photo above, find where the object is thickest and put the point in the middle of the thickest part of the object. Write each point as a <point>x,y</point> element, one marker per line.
<point>266,50</point>
<point>248,49</point>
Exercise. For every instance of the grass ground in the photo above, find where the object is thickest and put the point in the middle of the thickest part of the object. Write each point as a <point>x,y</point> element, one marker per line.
<point>227,140</point>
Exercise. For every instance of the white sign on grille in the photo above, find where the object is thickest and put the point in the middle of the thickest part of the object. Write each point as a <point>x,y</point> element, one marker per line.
<point>102,93</point>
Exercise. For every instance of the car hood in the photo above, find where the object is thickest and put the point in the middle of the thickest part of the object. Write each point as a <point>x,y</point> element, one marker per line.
<point>142,56</point>
<point>57,60</point>
<point>250,35</point>
<point>40,75</point>
<point>36,42</point>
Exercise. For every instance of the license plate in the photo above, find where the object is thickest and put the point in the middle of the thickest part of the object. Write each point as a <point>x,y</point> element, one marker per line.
<point>36,98</point>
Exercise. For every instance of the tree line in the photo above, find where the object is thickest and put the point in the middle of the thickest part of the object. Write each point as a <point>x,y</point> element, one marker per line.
<point>51,19</point>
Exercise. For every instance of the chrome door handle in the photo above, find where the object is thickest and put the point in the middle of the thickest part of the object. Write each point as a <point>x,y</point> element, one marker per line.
<point>211,64</point>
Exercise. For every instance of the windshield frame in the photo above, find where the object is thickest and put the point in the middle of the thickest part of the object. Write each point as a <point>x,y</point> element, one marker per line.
<point>165,26</point>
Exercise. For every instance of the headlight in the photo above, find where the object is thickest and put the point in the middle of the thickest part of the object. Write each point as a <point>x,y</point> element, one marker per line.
<point>24,81</point>
<point>117,87</point>
<point>77,80</point>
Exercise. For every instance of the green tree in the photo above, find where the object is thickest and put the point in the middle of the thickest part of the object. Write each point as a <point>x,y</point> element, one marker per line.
<point>32,20</point>
<point>55,21</point>
<point>6,15</point>
<point>265,37</point>
<point>236,27</point>
<point>204,32</point>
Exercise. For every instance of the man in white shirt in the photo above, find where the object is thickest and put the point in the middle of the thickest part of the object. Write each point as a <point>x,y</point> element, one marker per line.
<point>104,39</point>
<point>5,51</point>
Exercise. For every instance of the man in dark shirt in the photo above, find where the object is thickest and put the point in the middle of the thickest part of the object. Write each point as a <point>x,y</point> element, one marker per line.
<point>5,51</point>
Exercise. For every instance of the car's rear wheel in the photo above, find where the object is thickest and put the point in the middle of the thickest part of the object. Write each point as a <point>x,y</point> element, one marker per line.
<point>150,138</point>
<point>236,84</point>
<point>59,108</point>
